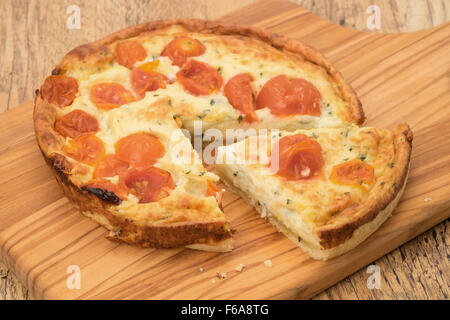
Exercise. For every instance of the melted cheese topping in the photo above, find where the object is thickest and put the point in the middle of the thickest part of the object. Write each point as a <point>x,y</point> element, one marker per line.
<point>152,114</point>
<point>230,55</point>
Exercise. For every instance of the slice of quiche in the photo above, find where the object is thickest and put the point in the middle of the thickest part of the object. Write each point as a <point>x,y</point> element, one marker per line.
<point>326,189</point>
<point>133,171</point>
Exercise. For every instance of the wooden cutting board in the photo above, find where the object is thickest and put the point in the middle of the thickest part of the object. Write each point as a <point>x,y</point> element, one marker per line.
<point>402,77</point>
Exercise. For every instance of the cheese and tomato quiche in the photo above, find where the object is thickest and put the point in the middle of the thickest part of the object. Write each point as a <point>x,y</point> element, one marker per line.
<point>326,189</point>
<point>105,120</point>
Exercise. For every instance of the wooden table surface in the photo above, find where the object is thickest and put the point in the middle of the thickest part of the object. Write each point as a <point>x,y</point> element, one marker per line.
<point>34,37</point>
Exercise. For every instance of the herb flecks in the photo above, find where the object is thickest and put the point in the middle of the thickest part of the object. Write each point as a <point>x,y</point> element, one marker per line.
<point>203,114</point>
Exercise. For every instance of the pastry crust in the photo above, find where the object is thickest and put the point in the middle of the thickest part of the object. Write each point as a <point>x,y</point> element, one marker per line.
<point>212,235</point>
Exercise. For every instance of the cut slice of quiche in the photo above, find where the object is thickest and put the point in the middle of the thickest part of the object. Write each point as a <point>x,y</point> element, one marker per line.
<point>326,189</point>
<point>133,171</point>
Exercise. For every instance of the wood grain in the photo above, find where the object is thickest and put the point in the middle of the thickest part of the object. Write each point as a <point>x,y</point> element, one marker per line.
<point>412,280</point>
<point>417,270</point>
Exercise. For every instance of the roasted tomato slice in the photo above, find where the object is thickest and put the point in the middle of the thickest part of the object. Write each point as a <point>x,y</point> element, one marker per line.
<point>143,81</point>
<point>180,49</point>
<point>149,185</point>
<point>110,166</point>
<point>238,91</point>
<point>213,191</point>
<point>107,96</point>
<point>60,90</point>
<point>104,188</point>
<point>354,172</point>
<point>129,52</point>
<point>285,97</point>
<point>141,150</point>
<point>300,157</point>
<point>199,78</point>
<point>76,123</point>
<point>87,148</point>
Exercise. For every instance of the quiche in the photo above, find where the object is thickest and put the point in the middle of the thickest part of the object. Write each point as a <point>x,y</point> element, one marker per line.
<point>326,189</point>
<point>116,118</point>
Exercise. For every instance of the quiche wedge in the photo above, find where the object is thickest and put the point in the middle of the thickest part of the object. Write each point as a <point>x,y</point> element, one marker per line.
<point>330,188</point>
<point>105,119</point>
<point>138,176</point>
